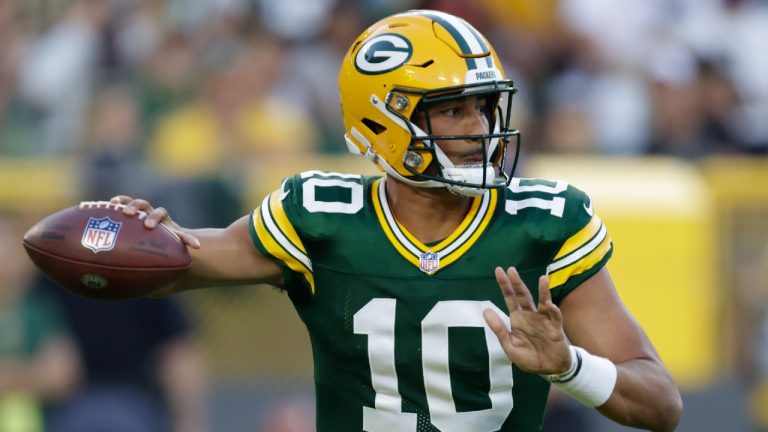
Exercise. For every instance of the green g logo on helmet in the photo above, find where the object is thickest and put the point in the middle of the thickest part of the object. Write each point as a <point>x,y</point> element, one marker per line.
<point>383,53</point>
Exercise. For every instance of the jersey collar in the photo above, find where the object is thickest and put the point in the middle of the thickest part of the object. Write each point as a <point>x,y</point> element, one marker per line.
<point>430,259</point>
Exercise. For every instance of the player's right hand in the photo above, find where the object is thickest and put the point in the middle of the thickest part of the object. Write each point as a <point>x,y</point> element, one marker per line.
<point>155,216</point>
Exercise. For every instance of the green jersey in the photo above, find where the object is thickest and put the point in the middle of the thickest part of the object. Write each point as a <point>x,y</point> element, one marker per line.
<point>398,336</point>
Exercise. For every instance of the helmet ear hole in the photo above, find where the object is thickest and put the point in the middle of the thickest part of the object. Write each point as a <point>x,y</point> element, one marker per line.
<point>375,127</point>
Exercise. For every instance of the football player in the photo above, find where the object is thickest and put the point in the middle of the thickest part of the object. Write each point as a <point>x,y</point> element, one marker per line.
<point>397,276</point>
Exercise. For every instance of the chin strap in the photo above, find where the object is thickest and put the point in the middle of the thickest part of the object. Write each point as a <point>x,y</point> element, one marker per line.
<point>478,174</point>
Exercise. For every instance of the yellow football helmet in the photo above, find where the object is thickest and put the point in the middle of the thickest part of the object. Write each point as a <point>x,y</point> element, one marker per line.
<point>402,64</point>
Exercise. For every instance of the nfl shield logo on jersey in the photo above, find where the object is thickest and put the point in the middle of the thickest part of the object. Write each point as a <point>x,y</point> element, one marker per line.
<point>430,262</point>
<point>100,234</point>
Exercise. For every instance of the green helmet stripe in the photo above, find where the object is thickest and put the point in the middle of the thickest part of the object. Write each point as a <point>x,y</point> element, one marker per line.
<point>467,38</point>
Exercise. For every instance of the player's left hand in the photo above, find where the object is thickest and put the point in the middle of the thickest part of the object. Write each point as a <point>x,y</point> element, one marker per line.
<point>536,342</point>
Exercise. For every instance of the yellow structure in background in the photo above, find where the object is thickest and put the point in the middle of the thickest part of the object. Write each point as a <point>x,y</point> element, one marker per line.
<point>38,184</point>
<point>740,189</point>
<point>660,216</point>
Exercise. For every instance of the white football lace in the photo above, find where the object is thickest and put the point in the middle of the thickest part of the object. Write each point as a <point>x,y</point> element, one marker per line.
<point>107,205</point>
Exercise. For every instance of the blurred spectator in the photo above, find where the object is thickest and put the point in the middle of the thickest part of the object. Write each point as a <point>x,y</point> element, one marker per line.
<point>38,361</point>
<point>112,146</point>
<point>244,77</point>
<point>236,116</point>
<point>113,163</point>
<point>599,80</point>
<point>623,33</point>
<point>593,108</point>
<point>744,31</point>
<point>58,73</point>
<point>677,118</point>
<point>199,149</point>
<point>720,105</point>
<point>166,80</point>
<point>8,37</point>
<point>296,19</point>
<point>729,33</point>
<point>144,369</point>
<point>694,112</point>
<point>17,121</point>
<point>566,127</point>
<point>311,65</point>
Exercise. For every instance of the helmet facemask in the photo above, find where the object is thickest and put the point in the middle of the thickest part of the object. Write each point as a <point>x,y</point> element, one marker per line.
<point>467,180</point>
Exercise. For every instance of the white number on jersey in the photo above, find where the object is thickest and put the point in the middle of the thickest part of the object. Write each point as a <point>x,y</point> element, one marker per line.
<point>377,320</point>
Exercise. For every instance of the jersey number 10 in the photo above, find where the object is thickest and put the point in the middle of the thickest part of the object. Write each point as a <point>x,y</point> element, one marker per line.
<point>377,320</point>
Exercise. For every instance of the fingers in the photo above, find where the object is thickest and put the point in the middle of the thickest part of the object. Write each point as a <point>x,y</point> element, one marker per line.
<point>515,292</point>
<point>137,205</point>
<point>506,290</point>
<point>546,306</point>
<point>132,205</point>
<point>188,239</point>
<point>544,294</point>
<point>518,297</point>
<point>154,217</point>
<point>160,216</point>
<point>120,199</point>
<point>497,325</point>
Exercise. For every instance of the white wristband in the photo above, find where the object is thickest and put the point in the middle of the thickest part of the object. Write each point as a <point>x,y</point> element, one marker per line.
<point>590,379</point>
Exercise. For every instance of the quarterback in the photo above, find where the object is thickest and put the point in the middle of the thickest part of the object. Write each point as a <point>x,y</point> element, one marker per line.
<point>446,294</point>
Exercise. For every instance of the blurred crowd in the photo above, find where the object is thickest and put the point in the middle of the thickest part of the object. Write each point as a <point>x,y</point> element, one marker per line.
<point>170,99</point>
<point>194,86</point>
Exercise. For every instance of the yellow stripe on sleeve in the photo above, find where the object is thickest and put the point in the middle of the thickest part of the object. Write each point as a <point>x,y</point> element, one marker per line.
<point>275,241</point>
<point>580,238</point>
<point>282,221</point>
<point>561,276</point>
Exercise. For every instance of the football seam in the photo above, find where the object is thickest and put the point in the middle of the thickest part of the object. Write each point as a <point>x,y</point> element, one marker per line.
<point>110,267</point>
<point>107,206</point>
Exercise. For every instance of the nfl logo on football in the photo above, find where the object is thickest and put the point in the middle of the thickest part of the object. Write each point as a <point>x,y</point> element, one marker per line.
<point>100,234</point>
<point>430,262</point>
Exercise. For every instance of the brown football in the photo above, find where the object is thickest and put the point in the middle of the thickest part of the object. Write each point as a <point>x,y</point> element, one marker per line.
<point>96,251</point>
